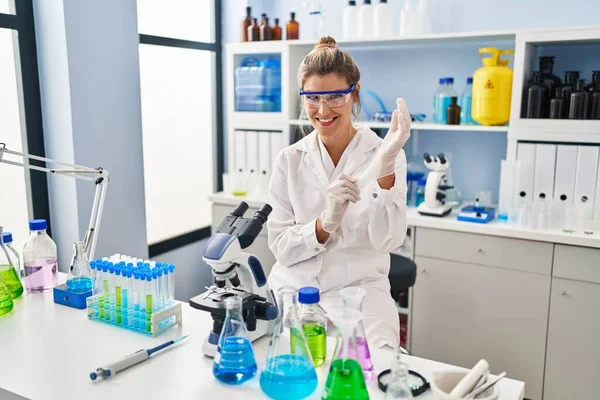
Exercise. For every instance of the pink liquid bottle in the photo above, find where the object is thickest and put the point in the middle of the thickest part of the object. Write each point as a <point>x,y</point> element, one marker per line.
<point>39,259</point>
<point>353,298</point>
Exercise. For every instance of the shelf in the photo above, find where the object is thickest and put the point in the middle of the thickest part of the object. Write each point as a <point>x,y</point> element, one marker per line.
<point>572,135</point>
<point>422,126</point>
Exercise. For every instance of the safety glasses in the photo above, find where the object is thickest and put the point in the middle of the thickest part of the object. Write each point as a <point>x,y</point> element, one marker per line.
<point>333,99</point>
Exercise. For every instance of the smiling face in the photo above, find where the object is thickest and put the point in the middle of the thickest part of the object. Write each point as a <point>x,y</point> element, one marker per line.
<point>330,122</point>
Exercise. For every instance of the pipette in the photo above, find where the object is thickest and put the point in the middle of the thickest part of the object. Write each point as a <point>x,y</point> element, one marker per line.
<point>129,361</point>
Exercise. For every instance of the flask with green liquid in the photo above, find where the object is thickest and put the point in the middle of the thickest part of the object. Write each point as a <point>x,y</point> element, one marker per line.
<point>314,324</point>
<point>8,261</point>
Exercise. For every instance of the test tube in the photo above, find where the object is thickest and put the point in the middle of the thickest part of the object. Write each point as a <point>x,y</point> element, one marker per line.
<point>149,296</point>
<point>136,299</point>
<point>165,269</point>
<point>118,294</point>
<point>111,292</point>
<point>161,289</point>
<point>104,299</point>
<point>172,283</point>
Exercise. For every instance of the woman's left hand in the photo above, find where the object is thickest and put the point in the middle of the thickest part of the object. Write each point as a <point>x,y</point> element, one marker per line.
<point>396,138</point>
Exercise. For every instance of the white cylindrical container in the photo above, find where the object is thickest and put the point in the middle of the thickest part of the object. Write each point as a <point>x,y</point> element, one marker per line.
<point>422,18</point>
<point>350,20</point>
<point>383,20</point>
<point>365,20</point>
<point>407,20</point>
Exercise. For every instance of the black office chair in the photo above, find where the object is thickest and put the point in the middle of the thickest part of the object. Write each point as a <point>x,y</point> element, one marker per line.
<point>403,274</point>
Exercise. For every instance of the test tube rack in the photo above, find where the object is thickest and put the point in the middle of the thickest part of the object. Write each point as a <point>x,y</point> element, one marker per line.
<point>137,321</point>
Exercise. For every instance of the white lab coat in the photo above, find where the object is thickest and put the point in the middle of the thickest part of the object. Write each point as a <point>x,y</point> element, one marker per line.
<point>358,253</point>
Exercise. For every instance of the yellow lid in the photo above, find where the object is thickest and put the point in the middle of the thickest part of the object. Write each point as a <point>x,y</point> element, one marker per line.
<point>489,61</point>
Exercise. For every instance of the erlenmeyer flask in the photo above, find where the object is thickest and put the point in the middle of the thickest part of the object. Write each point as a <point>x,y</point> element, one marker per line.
<point>80,274</point>
<point>398,388</point>
<point>353,297</point>
<point>346,379</point>
<point>288,373</point>
<point>234,361</point>
<point>7,269</point>
<point>6,302</point>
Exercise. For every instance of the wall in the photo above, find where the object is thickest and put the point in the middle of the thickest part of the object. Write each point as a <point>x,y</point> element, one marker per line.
<point>89,73</point>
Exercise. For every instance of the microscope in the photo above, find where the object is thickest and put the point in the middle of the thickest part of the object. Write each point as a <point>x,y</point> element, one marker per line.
<point>236,273</point>
<point>437,183</point>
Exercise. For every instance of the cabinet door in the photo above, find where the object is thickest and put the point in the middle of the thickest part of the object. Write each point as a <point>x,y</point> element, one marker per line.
<point>573,341</point>
<point>465,312</point>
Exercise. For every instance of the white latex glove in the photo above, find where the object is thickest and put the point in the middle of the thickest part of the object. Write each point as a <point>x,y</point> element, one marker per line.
<point>340,193</point>
<point>397,136</point>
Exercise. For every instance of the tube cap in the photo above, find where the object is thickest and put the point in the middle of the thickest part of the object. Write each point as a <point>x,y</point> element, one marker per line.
<point>308,295</point>
<point>38,225</point>
<point>450,79</point>
<point>469,80</point>
<point>7,237</point>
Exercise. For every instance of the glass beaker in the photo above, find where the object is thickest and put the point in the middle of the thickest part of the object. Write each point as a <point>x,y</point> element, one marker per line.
<point>353,297</point>
<point>80,274</point>
<point>7,268</point>
<point>234,362</point>
<point>346,379</point>
<point>288,373</point>
<point>398,388</point>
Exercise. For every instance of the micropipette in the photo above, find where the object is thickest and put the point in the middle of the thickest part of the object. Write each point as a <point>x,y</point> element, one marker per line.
<point>129,361</point>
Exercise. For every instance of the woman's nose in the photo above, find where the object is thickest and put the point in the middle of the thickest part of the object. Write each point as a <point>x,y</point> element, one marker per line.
<point>323,108</point>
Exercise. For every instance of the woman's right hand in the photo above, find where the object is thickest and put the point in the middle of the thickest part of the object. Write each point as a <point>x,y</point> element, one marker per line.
<point>340,193</point>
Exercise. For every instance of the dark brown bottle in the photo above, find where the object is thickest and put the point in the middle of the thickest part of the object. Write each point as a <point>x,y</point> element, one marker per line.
<point>276,32</point>
<point>568,87</point>
<point>253,31</point>
<point>536,99</point>
<point>595,78</point>
<point>246,22</point>
<point>580,100</point>
<point>453,112</point>
<point>292,31</point>
<point>557,105</point>
<point>548,78</point>
<point>595,102</point>
<point>266,32</point>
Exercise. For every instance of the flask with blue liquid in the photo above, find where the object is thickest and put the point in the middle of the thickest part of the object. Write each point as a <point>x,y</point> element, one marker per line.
<point>234,362</point>
<point>80,274</point>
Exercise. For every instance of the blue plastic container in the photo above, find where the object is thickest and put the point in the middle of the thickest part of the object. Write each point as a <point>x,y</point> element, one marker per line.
<point>258,85</point>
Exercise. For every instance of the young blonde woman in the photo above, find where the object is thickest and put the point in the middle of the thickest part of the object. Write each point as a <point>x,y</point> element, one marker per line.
<point>324,230</point>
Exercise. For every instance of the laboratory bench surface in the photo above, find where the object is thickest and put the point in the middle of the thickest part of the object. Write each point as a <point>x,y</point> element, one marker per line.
<point>450,223</point>
<point>48,351</point>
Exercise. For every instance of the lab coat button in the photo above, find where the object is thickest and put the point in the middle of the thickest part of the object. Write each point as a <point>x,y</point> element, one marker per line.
<point>375,195</point>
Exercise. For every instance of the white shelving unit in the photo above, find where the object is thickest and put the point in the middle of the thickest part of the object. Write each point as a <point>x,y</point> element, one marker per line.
<point>420,126</point>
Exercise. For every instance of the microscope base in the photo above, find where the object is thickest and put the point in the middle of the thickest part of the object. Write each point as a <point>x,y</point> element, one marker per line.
<point>440,211</point>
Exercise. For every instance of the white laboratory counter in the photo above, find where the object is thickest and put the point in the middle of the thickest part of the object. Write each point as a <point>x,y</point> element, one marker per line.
<point>48,350</point>
<point>450,223</point>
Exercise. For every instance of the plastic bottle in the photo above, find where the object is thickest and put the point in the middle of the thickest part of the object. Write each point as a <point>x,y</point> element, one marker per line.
<point>314,324</point>
<point>353,297</point>
<point>445,99</point>
<point>288,373</point>
<point>399,388</point>
<point>580,99</point>
<point>595,102</point>
<point>292,31</point>
<point>265,30</point>
<point>571,78</point>
<point>39,259</point>
<point>8,271</point>
<point>253,31</point>
<point>536,99</point>
<point>346,379</point>
<point>350,18</point>
<point>246,22</point>
<point>436,98</point>
<point>234,362</point>
<point>546,69</point>
<point>315,23</point>
<point>276,31</point>
<point>453,112</point>
<point>365,20</point>
<point>422,19</point>
<point>420,197</point>
<point>383,20</point>
<point>466,101</point>
<point>80,275</point>
<point>407,20</point>
<point>557,104</point>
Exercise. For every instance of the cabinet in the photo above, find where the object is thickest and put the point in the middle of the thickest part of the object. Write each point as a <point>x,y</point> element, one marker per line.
<point>573,341</point>
<point>463,312</point>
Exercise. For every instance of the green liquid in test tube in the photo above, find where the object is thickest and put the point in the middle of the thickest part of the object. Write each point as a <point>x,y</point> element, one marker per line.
<point>118,295</point>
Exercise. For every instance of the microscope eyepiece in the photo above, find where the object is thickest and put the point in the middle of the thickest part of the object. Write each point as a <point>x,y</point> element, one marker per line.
<point>427,157</point>
<point>442,158</point>
<point>240,209</point>
<point>235,280</point>
<point>263,213</point>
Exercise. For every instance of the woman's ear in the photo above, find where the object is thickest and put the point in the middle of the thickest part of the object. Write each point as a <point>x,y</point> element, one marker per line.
<point>355,93</point>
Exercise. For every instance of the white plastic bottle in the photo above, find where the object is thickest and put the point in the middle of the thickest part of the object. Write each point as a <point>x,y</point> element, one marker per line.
<point>383,20</point>
<point>365,20</point>
<point>422,18</point>
<point>350,20</point>
<point>407,20</point>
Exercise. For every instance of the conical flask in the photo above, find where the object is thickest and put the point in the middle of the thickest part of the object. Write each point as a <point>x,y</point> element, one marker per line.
<point>7,269</point>
<point>398,387</point>
<point>80,274</point>
<point>353,297</point>
<point>288,373</point>
<point>234,362</point>
<point>346,380</point>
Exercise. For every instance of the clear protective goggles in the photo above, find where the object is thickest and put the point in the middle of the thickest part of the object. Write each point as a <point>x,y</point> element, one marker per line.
<point>333,99</point>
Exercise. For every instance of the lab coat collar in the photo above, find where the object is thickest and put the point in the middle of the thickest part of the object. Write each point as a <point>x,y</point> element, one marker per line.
<point>367,141</point>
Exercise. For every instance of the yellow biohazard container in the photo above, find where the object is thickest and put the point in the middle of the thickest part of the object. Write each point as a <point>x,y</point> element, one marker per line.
<point>492,87</point>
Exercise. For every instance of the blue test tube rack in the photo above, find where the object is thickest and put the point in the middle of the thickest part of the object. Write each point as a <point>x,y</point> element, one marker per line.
<point>139,298</point>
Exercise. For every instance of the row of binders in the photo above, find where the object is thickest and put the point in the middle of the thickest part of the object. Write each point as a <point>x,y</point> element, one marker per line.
<point>557,179</point>
<point>255,150</point>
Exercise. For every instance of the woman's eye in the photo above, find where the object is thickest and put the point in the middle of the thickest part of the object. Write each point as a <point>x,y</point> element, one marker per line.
<point>313,98</point>
<point>335,96</point>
